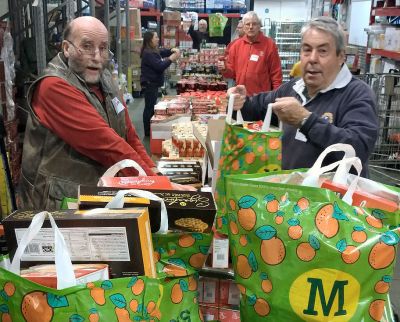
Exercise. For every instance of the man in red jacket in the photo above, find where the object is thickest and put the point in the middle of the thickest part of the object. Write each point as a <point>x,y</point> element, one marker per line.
<point>253,59</point>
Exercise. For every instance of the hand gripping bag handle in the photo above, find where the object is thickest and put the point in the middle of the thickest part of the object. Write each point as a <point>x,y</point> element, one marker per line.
<point>267,120</point>
<point>126,163</point>
<point>118,202</point>
<point>313,174</point>
<point>239,117</point>
<point>64,269</point>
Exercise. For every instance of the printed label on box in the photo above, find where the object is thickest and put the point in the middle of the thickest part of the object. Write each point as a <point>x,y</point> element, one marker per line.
<point>209,291</point>
<point>234,294</point>
<point>95,244</point>
<point>220,253</point>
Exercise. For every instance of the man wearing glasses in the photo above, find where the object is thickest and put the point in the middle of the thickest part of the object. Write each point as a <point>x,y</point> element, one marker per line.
<point>78,126</point>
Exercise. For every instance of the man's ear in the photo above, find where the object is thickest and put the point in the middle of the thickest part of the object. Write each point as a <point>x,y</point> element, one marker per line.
<point>343,56</point>
<point>64,48</point>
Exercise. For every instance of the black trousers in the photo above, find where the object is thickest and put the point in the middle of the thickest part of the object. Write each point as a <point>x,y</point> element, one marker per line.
<point>150,99</point>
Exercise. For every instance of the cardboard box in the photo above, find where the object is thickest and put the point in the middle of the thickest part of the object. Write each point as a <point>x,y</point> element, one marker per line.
<point>139,182</point>
<point>162,128</point>
<point>210,291</point>
<point>120,238</point>
<point>84,273</point>
<point>135,22</point>
<point>210,313</point>
<point>180,204</point>
<point>229,294</point>
<point>136,45</point>
<point>136,60</point>
<point>171,17</point>
<point>228,315</point>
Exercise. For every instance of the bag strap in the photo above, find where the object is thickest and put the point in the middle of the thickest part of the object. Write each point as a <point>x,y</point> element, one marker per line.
<point>118,202</point>
<point>315,171</point>
<point>266,127</point>
<point>64,269</point>
<point>126,163</point>
<point>239,117</point>
<point>346,163</point>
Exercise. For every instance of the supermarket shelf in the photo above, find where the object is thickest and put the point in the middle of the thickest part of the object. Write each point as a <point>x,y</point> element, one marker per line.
<point>387,11</point>
<point>385,53</point>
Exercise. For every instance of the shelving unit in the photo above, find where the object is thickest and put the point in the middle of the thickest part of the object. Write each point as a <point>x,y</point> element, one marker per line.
<point>287,37</point>
<point>392,15</point>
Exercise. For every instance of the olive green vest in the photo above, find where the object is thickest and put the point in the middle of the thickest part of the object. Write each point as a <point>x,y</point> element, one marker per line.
<point>52,169</point>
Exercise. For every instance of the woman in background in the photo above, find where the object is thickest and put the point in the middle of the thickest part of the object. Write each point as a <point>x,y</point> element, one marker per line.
<point>154,62</point>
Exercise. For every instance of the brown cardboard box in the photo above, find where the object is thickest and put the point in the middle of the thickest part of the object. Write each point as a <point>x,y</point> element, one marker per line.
<point>135,22</point>
<point>136,45</point>
<point>136,60</point>
<point>180,204</point>
<point>171,15</point>
<point>120,238</point>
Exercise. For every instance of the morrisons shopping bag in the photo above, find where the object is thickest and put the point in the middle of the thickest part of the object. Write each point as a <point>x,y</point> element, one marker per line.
<point>244,151</point>
<point>135,298</point>
<point>304,253</point>
<point>176,253</point>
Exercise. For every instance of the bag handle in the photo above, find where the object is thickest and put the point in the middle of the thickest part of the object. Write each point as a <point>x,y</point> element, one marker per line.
<point>314,172</point>
<point>64,269</point>
<point>266,127</point>
<point>313,180</point>
<point>239,117</point>
<point>126,163</point>
<point>118,202</point>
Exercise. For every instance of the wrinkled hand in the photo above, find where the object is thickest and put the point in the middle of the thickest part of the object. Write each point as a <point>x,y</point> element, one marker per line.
<point>176,50</point>
<point>181,187</point>
<point>239,93</point>
<point>289,110</point>
<point>174,56</point>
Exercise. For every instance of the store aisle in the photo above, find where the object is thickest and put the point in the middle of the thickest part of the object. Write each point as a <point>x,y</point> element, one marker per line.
<point>135,110</point>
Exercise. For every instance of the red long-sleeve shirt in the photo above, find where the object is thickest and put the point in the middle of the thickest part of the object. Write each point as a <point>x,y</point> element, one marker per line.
<point>254,64</point>
<point>68,113</point>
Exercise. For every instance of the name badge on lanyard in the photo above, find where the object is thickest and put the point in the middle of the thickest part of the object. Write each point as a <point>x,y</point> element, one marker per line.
<point>254,57</point>
<point>118,106</point>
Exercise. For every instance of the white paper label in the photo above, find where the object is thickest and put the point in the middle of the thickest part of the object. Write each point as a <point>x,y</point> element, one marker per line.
<point>209,291</point>
<point>118,106</point>
<point>84,244</point>
<point>234,294</point>
<point>220,253</point>
<point>254,57</point>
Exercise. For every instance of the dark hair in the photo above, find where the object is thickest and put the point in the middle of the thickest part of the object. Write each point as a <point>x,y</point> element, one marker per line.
<point>147,37</point>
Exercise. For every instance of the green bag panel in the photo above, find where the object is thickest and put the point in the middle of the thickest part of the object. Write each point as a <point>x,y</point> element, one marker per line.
<point>217,25</point>
<point>301,253</point>
<point>120,300</point>
<point>180,254</point>
<point>244,151</point>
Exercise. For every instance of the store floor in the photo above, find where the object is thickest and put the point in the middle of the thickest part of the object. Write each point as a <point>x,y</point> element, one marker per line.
<point>136,111</point>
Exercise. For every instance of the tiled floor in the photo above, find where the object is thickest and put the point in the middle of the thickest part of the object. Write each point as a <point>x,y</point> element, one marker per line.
<point>136,112</point>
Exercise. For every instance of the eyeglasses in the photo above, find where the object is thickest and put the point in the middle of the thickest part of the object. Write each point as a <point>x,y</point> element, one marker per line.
<point>90,50</point>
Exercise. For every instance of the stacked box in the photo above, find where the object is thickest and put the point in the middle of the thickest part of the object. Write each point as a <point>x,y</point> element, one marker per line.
<point>135,22</point>
<point>219,299</point>
<point>186,142</point>
<point>172,18</point>
<point>169,35</point>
